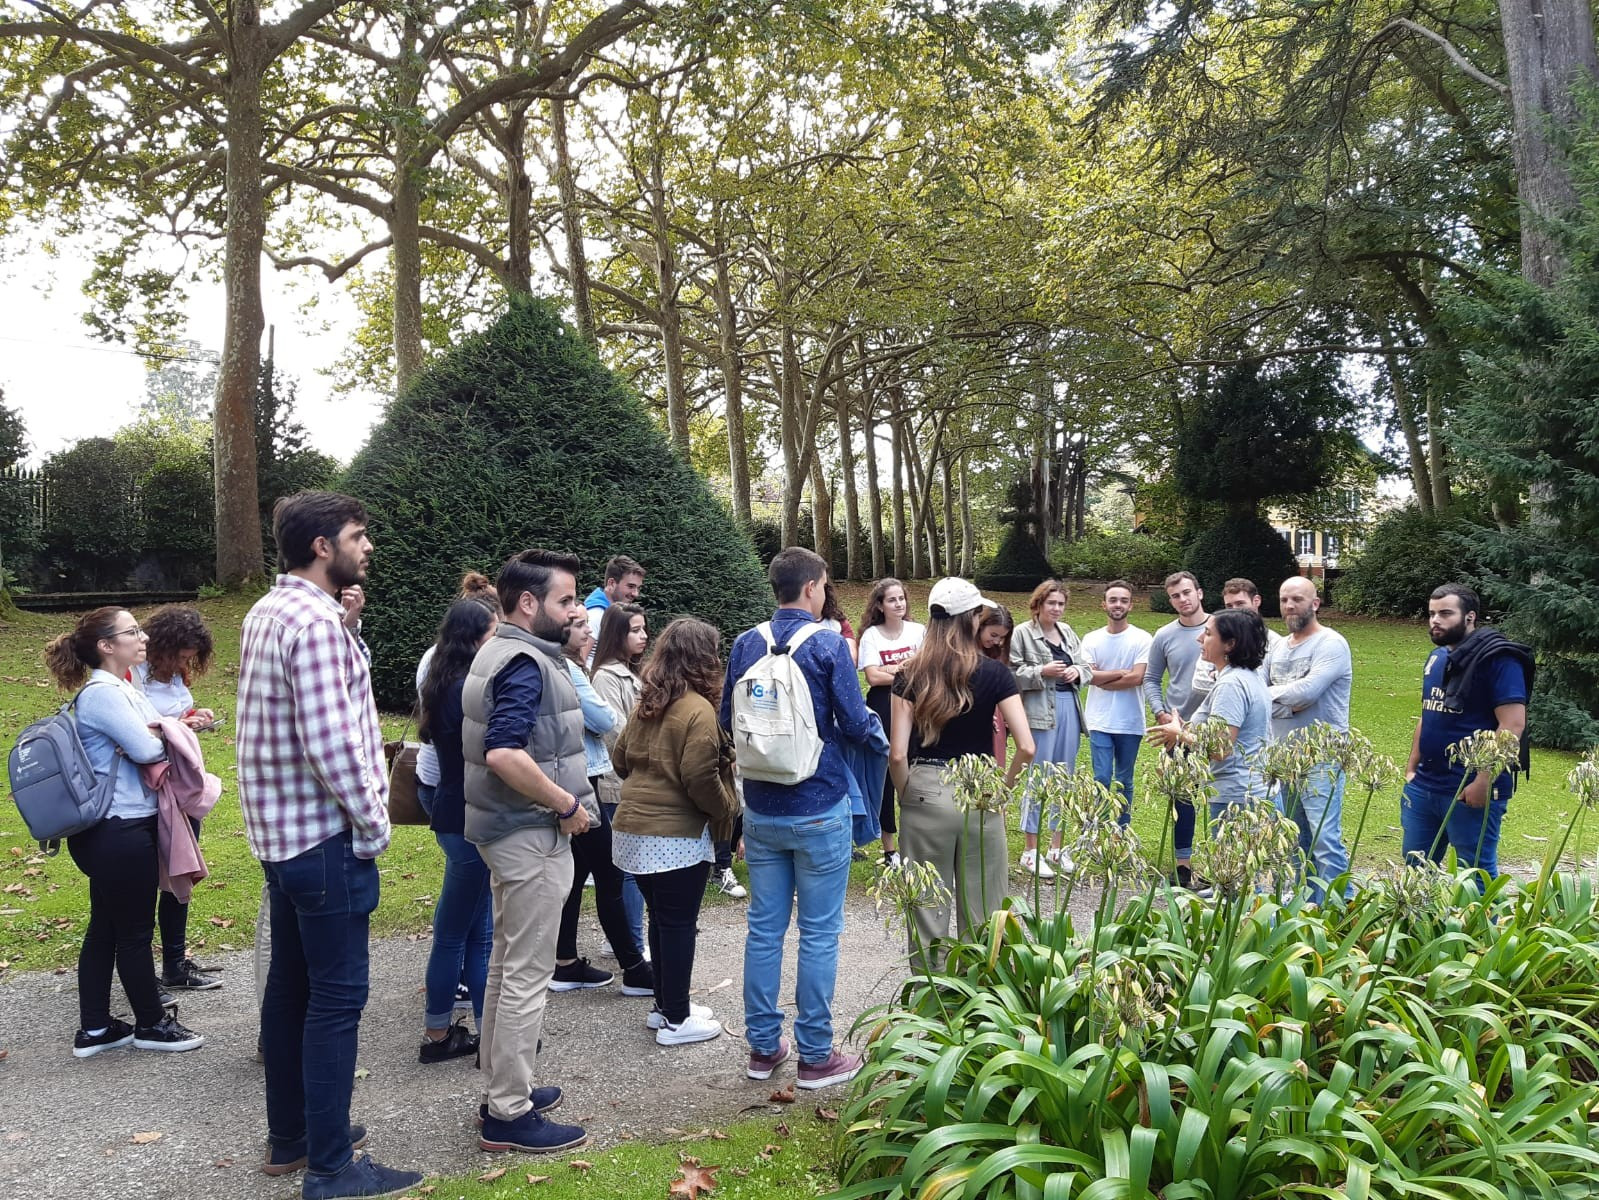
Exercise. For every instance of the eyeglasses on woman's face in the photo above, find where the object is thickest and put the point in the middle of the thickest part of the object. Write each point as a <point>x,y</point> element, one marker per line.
<point>134,630</point>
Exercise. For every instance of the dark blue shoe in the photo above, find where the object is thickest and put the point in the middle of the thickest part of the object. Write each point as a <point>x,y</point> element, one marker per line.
<point>530,1133</point>
<point>360,1177</point>
<point>288,1158</point>
<point>544,1099</point>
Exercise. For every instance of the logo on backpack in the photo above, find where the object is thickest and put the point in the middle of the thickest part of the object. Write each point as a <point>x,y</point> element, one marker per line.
<point>54,783</point>
<point>774,720</point>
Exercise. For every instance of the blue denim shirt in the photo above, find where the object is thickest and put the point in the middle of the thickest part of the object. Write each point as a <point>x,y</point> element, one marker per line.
<point>841,715</point>
<point>599,718</point>
<point>114,715</point>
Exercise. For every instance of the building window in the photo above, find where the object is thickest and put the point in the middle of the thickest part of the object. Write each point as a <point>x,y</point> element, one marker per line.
<point>1331,544</point>
<point>1305,541</point>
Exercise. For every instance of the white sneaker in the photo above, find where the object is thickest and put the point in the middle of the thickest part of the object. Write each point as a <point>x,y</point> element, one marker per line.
<point>693,1029</point>
<point>605,949</point>
<point>1062,859</point>
<point>657,1021</point>
<point>729,884</point>
<point>1036,865</point>
<point>892,860</point>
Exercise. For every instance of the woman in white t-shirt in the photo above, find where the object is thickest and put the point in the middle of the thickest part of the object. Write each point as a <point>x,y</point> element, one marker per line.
<point>887,642</point>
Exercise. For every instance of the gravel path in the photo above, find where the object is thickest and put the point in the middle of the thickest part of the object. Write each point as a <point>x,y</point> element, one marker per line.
<point>68,1126</point>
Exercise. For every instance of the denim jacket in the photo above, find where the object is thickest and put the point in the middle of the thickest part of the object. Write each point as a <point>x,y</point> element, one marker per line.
<point>599,719</point>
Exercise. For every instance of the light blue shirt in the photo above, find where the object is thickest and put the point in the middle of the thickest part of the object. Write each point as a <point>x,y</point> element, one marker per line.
<point>113,714</point>
<point>1240,699</point>
<point>599,718</point>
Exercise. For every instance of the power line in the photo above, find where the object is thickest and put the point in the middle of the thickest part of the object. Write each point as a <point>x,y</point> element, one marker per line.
<point>149,355</point>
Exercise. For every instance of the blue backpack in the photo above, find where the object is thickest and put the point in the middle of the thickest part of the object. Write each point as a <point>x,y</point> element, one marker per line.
<point>53,782</point>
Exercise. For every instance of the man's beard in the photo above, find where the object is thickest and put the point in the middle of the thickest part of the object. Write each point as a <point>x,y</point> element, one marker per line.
<point>1451,636</point>
<point>1299,623</point>
<point>551,630</point>
<point>346,570</point>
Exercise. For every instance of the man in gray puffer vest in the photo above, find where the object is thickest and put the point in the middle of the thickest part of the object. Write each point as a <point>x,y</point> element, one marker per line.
<point>526,773</point>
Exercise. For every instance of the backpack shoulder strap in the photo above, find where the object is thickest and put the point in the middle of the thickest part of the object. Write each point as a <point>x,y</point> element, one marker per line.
<point>767,636</point>
<point>803,632</point>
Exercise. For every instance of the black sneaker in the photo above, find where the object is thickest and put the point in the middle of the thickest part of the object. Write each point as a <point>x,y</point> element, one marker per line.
<point>166,1035</point>
<point>457,1043</point>
<point>579,974</point>
<point>86,1045</point>
<point>167,999</point>
<point>360,1177</point>
<point>290,1157</point>
<point>189,978</point>
<point>639,979</point>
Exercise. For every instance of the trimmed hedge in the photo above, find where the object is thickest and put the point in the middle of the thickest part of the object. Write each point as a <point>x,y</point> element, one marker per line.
<point>1407,554</point>
<point>767,536</point>
<point>1017,566</point>
<point>1138,558</point>
<point>521,437</point>
<point>1241,546</point>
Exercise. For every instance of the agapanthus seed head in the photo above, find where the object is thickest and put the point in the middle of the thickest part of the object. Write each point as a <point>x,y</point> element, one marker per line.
<point>1489,752</point>
<point>898,892</point>
<point>1584,779</point>
<point>1249,847</point>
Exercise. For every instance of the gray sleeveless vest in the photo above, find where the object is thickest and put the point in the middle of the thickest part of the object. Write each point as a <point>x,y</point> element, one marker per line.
<point>493,808</point>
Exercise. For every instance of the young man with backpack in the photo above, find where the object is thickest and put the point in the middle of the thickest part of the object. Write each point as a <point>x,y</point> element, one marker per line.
<point>792,697</point>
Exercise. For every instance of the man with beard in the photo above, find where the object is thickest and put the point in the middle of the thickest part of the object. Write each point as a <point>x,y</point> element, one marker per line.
<point>1117,656</point>
<point>315,800</point>
<point>1174,655</point>
<point>526,780</point>
<point>1309,674</point>
<point>1242,593</point>
<point>1475,679</point>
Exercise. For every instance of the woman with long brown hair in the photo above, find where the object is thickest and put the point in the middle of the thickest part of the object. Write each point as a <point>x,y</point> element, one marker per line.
<point>888,640</point>
<point>944,705</point>
<point>618,659</point>
<point>676,765</point>
<point>119,853</point>
<point>1046,656</point>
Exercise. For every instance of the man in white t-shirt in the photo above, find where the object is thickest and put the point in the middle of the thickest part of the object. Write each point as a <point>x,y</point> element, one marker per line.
<point>1117,655</point>
<point>1242,593</point>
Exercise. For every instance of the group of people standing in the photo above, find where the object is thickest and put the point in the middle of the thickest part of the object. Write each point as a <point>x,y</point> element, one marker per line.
<point>565,742</point>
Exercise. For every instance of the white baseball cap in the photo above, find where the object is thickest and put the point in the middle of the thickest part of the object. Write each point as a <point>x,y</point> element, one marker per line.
<point>956,596</point>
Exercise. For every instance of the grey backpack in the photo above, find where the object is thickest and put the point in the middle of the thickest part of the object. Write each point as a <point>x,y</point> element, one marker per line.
<point>54,783</point>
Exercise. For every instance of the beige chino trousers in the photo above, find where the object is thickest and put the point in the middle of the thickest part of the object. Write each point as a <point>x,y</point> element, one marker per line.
<point>969,851</point>
<point>530,874</point>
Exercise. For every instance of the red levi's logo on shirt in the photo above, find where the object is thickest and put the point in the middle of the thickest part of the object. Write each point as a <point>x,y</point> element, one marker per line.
<point>895,654</point>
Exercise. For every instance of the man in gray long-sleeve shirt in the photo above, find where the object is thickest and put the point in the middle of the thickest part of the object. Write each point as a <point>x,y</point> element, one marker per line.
<point>1309,674</point>
<point>1175,654</point>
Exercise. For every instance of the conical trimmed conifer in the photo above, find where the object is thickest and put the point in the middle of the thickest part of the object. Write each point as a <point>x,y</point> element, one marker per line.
<point>521,437</point>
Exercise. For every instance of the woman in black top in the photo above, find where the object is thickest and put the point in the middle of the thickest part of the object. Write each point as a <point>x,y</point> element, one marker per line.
<point>943,709</point>
<point>463,931</point>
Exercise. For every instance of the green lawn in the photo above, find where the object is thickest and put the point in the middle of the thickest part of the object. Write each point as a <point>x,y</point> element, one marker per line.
<point>43,902</point>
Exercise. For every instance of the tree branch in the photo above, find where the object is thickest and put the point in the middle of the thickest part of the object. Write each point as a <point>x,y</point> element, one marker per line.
<point>1450,49</point>
<point>333,271</point>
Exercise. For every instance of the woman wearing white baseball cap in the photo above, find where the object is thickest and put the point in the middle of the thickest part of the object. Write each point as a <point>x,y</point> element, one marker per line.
<point>943,709</point>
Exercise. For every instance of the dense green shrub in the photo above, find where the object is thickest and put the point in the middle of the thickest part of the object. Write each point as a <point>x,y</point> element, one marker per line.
<point>284,462</point>
<point>1241,546</point>
<point>177,515</point>
<point>91,531</point>
<point>520,437</point>
<point>1017,566</point>
<point>1141,560</point>
<point>1407,554</point>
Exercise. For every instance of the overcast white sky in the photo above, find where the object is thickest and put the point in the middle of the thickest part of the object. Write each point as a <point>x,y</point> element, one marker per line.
<point>68,386</point>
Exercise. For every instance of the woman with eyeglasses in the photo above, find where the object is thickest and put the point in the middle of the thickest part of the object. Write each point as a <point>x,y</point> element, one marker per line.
<point>119,853</point>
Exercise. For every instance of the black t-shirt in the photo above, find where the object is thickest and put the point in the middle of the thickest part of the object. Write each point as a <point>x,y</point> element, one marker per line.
<point>1061,655</point>
<point>971,731</point>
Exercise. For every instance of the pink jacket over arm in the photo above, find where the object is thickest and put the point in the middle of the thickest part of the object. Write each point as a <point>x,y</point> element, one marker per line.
<point>184,789</point>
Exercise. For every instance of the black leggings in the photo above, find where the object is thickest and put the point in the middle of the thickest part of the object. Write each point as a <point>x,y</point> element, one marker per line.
<point>673,899</point>
<point>119,857</point>
<point>879,700</point>
<point>591,855</point>
<point>172,915</point>
<point>724,850</point>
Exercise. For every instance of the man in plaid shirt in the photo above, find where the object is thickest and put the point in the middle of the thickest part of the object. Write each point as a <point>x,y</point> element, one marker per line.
<point>315,800</point>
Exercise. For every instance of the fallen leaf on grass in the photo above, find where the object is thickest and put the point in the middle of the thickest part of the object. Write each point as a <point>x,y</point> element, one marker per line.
<point>826,1114</point>
<point>784,1095</point>
<point>783,1129</point>
<point>716,1135</point>
<point>693,1180</point>
<point>769,1150</point>
<point>221,922</point>
<point>491,1176</point>
<point>428,1190</point>
<point>581,1164</point>
<point>538,1179</point>
<point>741,1172</point>
<point>144,1139</point>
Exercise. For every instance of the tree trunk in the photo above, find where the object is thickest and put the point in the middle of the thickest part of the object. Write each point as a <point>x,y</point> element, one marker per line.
<point>949,514</point>
<point>1405,409</point>
<point>405,219</point>
<point>238,515</point>
<point>518,204</point>
<point>671,315</point>
<point>896,434</point>
<point>1549,53</point>
<point>874,495</point>
<point>738,461</point>
<point>968,535</point>
<point>577,267</point>
<point>1437,457</point>
<point>821,510</point>
<point>790,426</point>
<point>852,504</point>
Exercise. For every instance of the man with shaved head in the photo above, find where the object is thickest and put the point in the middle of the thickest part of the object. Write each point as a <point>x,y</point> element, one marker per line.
<point>1309,674</point>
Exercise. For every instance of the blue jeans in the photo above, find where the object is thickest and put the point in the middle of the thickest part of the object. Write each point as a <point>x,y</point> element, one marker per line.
<point>1056,749</point>
<point>1113,756</point>
<point>463,931</point>
<point>800,860</point>
<point>632,898</point>
<point>322,903</point>
<point>1318,809</point>
<point>1421,815</point>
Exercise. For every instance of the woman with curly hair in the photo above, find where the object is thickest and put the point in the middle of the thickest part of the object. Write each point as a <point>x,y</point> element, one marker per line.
<point>178,652</point>
<point>676,766</point>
